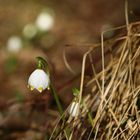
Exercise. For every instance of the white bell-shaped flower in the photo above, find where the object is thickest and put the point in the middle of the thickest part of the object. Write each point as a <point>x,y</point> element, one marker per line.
<point>44,21</point>
<point>14,44</point>
<point>74,109</point>
<point>39,80</point>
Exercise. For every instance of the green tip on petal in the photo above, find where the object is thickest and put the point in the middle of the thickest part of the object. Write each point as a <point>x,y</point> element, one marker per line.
<point>40,89</point>
<point>32,88</point>
<point>48,87</point>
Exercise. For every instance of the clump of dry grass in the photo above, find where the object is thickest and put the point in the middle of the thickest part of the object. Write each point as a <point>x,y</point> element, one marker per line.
<point>117,115</point>
<point>110,108</point>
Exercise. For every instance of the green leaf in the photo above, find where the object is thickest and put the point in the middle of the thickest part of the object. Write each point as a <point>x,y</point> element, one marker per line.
<point>75,91</point>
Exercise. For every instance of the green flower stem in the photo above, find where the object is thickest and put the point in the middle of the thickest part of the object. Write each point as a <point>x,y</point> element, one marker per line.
<point>60,109</point>
<point>39,66</point>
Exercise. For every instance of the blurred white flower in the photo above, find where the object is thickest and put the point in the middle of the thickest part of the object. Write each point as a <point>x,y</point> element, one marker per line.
<point>38,80</point>
<point>74,109</point>
<point>44,21</point>
<point>108,31</point>
<point>29,31</point>
<point>14,44</point>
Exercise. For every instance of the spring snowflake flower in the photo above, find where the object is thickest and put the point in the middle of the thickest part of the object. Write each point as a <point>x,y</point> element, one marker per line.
<point>106,28</point>
<point>30,31</point>
<point>38,80</point>
<point>74,109</point>
<point>45,21</point>
<point>14,44</point>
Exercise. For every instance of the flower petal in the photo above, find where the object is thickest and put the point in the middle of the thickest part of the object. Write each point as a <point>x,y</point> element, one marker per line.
<point>74,109</point>
<point>40,89</point>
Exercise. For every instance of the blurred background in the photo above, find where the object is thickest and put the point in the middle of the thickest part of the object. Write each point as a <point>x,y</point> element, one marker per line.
<point>46,28</point>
